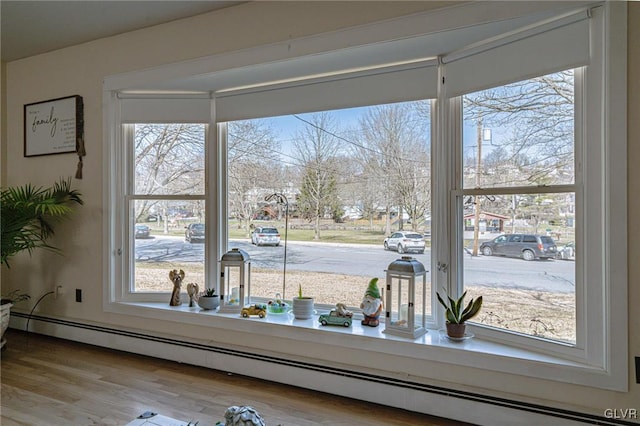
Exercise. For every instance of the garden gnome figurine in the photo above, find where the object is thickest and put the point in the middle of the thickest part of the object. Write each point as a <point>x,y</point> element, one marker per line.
<point>371,304</point>
<point>176,278</point>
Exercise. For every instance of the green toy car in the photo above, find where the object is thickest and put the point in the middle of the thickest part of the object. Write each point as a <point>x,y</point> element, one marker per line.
<point>333,318</point>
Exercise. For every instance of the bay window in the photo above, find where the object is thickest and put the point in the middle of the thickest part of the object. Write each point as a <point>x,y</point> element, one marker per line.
<point>474,136</point>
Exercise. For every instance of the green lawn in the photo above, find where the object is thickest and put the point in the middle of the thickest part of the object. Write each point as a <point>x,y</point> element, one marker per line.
<point>331,236</point>
<point>354,232</point>
<point>328,235</point>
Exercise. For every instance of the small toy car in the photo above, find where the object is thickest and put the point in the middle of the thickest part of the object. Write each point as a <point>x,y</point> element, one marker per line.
<point>259,310</point>
<point>333,318</point>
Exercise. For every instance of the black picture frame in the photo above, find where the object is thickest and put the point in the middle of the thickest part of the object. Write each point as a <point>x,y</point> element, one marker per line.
<point>55,126</point>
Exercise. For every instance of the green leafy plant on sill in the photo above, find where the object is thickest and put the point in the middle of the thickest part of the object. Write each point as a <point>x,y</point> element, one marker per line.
<point>209,292</point>
<point>454,312</point>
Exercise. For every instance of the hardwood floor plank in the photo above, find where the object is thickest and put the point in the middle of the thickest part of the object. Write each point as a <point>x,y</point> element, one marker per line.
<point>49,382</point>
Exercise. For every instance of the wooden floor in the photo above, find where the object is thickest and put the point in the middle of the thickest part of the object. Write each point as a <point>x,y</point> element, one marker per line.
<point>48,381</point>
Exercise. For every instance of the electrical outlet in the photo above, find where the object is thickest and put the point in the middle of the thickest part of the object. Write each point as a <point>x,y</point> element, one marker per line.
<point>57,292</point>
<point>638,369</point>
<point>78,295</point>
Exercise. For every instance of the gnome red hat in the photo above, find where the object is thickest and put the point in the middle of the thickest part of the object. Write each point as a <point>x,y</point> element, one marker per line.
<point>372,289</point>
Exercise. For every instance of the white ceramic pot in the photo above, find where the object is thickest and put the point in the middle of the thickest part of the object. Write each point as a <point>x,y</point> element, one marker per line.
<point>303,307</point>
<point>5,312</point>
<point>208,303</point>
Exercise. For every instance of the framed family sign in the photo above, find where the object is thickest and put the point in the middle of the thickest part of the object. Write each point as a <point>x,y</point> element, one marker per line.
<point>55,126</point>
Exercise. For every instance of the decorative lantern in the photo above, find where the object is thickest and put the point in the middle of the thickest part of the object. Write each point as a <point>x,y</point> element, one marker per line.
<point>235,281</point>
<point>401,318</point>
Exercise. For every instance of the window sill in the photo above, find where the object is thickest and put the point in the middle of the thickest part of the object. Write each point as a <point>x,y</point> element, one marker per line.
<point>476,353</point>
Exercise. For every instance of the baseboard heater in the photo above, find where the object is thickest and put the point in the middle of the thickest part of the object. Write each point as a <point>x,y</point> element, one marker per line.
<point>563,416</point>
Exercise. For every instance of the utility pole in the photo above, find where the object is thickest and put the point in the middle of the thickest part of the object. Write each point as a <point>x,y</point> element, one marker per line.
<point>476,224</point>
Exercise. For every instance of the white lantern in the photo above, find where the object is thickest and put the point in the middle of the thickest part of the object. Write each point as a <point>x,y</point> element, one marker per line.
<point>401,316</point>
<point>235,281</point>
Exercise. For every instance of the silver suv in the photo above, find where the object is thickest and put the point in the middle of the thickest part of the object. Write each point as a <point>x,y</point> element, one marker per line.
<point>526,246</point>
<point>405,242</point>
<point>265,235</point>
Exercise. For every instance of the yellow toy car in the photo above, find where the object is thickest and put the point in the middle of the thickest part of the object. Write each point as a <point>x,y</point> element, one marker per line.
<point>257,309</point>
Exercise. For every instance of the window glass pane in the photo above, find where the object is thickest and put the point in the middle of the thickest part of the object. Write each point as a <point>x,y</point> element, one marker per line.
<point>334,185</point>
<point>521,246</point>
<point>169,159</point>
<point>167,235</point>
<point>523,133</point>
<point>525,263</point>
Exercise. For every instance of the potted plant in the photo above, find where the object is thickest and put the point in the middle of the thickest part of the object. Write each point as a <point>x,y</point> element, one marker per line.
<point>208,299</point>
<point>27,216</point>
<point>6,302</point>
<point>302,305</point>
<point>456,313</point>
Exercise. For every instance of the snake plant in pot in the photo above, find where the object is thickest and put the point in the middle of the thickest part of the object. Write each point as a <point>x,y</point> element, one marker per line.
<point>456,313</point>
<point>302,305</point>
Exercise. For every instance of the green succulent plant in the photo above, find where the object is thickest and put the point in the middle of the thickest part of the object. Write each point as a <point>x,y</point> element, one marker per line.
<point>209,292</point>
<point>454,312</point>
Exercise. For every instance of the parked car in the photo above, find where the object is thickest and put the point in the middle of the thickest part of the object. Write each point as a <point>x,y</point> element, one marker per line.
<point>405,242</point>
<point>567,251</point>
<point>154,218</point>
<point>258,309</point>
<point>526,246</point>
<point>194,232</point>
<point>334,318</point>
<point>143,231</point>
<point>265,235</point>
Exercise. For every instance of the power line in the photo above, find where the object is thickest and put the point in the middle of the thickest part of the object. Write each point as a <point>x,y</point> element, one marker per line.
<point>366,148</point>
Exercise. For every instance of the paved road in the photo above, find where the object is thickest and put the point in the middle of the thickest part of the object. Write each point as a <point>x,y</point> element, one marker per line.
<point>369,260</point>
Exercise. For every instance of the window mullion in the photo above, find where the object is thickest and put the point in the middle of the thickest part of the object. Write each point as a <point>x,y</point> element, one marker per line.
<point>541,189</point>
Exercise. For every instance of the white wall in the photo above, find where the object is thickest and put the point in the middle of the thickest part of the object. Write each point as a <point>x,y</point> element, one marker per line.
<point>81,69</point>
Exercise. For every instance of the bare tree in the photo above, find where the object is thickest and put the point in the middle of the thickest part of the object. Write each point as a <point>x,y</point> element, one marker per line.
<point>252,163</point>
<point>536,117</point>
<point>361,190</point>
<point>316,147</point>
<point>394,152</point>
<point>535,145</point>
<point>169,159</point>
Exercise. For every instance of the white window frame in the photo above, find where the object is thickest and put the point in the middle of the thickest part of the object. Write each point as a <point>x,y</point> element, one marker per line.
<point>458,193</point>
<point>600,266</point>
<point>602,360</point>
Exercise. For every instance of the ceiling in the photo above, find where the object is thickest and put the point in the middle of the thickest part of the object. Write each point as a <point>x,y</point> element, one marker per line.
<point>32,27</point>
